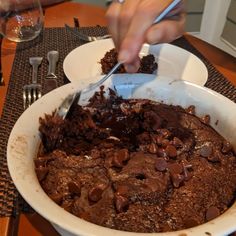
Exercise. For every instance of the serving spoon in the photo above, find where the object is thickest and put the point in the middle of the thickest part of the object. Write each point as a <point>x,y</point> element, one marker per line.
<point>71,99</point>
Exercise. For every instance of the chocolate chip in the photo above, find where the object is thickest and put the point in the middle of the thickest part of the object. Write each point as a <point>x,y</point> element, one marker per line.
<point>152,148</point>
<point>159,140</point>
<point>191,110</point>
<point>161,152</point>
<point>175,168</point>
<point>212,213</point>
<point>120,157</point>
<point>124,153</point>
<point>95,193</point>
<point>206,119</point>
<point>41,172</point>
<point>189,223</point>
<point>215,157</point>
<point>165,133</point>
<point>161,164</point>
<point>177,180</point>
<point>206,150</point>
<point>171,151</point>
<point>165,142</point>
<point>121,203</point>
<point>226,147</point>
<point>122,190</point>
<point>75,188</point>
<point>177,142</point>
<point>209,234</point>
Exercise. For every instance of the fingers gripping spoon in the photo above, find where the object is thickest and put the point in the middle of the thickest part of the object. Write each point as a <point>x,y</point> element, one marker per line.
<point>74,98</point>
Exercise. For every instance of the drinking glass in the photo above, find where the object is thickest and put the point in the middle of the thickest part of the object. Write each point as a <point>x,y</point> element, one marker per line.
<point>20,20</point>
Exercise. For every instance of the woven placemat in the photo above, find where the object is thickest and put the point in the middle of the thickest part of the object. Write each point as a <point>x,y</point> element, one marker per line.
<point>59,39</point>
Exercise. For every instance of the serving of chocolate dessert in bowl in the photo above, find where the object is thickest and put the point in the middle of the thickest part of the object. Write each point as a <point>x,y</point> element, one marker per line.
<point>148,64</point>
<point>159,160</point>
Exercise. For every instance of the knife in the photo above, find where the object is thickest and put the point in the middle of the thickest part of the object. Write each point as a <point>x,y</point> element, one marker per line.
<point>50,81</point>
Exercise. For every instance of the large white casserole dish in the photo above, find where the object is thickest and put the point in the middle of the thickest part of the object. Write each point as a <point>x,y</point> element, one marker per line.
<point>24,141</point>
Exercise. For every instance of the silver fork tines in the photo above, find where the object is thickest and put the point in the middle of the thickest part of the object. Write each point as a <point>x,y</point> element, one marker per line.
<point>85,37</point>
<point>32,92</point>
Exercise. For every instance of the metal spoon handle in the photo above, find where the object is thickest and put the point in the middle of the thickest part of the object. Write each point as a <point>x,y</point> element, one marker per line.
<point>166,11</point>
<point>52,57</point>
<point>101,81</point>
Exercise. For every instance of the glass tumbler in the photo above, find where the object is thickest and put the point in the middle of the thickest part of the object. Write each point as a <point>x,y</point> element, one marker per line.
<point>20,20</point>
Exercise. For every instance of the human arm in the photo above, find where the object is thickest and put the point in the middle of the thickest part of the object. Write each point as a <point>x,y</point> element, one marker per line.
<point>131,25</point>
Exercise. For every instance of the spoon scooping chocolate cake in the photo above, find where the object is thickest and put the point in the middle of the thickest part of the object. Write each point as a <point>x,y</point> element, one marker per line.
<point>147,63</point>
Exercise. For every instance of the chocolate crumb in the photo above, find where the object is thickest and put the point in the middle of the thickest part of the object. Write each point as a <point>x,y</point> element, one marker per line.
<point>189,223</point>
<point>75,188</point>
<point>206,150</point>
<point>206,119</point>
<point>226,147</point>
<point>191,110</point>
<point>95,193</point>
<point>148,64</point>
<point>207,233</point>
<point>171,151</point>
<point>161,164</point>
<point>121,203</point>
<point>212,213</point>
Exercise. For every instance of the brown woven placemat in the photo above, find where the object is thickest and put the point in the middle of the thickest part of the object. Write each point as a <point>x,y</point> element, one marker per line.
<point>11,202</point>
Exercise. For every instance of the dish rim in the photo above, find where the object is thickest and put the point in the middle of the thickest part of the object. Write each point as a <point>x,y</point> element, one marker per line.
<point>70,222</point>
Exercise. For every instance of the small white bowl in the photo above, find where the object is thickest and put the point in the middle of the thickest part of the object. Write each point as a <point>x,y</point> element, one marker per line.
<point>24,142</point>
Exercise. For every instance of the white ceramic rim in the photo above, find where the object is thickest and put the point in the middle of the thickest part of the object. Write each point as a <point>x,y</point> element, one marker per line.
<point>23,174</point>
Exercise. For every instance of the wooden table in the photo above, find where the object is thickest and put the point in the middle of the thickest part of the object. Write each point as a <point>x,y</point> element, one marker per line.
<point>57,16</point>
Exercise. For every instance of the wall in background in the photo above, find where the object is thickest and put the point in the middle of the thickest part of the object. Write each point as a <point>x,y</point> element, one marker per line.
<point>229,32</point>
<point>213,23</point>
<point>194,10</point>
<point>211,20</point>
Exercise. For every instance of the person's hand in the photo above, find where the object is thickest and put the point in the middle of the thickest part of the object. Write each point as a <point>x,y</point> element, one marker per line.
<point>131,25</point>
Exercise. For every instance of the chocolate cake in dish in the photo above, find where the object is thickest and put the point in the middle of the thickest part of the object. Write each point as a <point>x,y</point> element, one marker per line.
<point>147,63</point>
<point>136,165</point>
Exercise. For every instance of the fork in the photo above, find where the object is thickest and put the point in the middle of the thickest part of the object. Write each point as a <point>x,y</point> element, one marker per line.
<point>85,37</point>
<point>33,91</point>
<point>72,99</point>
